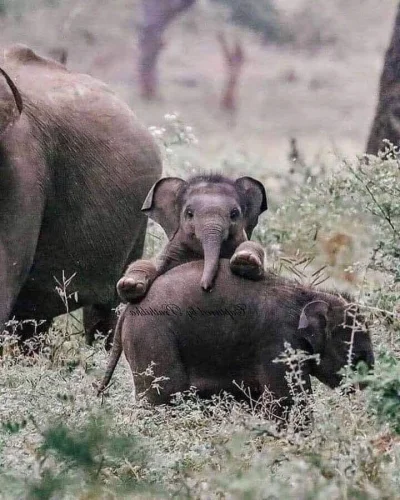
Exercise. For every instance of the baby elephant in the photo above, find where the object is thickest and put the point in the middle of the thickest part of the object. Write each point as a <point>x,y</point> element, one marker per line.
<point>208,216</point>
<point>235,334</point>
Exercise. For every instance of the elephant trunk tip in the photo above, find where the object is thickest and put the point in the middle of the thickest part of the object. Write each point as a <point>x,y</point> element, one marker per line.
<point>209,273</point>
<point>206,284</point>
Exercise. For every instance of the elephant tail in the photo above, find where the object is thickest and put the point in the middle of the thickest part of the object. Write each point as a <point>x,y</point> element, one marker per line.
<point>115,354</point>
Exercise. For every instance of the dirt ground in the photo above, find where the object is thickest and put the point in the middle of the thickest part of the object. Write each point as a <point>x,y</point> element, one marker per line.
<point>323,93</point>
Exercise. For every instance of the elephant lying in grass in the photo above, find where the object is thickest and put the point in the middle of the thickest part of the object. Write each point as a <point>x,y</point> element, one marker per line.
<point>235,334</point>
<point>76,166</point>
<point>208,216</point>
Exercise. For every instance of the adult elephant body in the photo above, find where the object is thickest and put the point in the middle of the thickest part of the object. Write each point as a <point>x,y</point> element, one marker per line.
<point>75,169</point>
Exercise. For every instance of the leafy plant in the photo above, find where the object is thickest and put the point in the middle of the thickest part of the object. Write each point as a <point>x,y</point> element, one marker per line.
<point>384,390</point>
<point>259,15</point>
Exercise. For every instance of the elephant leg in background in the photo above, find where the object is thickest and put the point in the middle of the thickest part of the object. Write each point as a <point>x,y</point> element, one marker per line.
<point>101,318</point>
<point>30,333</point>
<point>248,260</point>
<point>31,320</point>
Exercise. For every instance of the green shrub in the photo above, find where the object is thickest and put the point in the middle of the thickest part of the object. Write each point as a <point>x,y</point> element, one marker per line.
<point>260,16</point>
<point>360,197</point>
<point>384,390</point>
<point>82,459</point>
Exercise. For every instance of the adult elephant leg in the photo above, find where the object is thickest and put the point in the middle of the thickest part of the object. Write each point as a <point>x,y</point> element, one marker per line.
<point>33,312</point>
<point>101,318</point>
<point>6,295</point>
<point>21,194</point>
<point>32,334</point>
<point>20,221</point>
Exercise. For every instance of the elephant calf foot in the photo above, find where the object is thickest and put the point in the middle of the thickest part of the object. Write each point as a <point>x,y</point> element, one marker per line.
<point>133,287</point>
<point>248,260</point>
<point>136,281</point>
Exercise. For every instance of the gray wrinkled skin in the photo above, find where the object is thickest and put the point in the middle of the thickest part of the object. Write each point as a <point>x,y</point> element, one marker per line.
<point>234,333</point>
<point>75,169</point>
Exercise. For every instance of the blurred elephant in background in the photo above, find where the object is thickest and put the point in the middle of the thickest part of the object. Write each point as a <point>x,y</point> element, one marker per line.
<point>76,166</point>
<point>235,334</point>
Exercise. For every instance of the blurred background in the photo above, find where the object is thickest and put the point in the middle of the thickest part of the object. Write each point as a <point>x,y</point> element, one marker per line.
<point>303,69</point>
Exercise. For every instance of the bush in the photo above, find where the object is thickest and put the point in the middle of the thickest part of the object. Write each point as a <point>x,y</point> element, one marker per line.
<point>75,460</point>
<point>260,16</point>
<point>384,390</point>
<point>18,7</point>
<point>360,198</point>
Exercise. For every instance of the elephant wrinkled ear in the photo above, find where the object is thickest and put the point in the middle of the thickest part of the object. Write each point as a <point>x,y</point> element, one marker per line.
<point>10,102</point>
<point>313,322</point>
<point>255,199</point>
<point>161,204</point>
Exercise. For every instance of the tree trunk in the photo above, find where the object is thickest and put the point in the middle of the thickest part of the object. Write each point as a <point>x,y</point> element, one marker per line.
<point>386,124</point>
<point>156,15</point>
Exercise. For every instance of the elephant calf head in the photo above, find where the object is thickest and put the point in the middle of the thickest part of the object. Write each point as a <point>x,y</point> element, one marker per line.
<point>336,331</point>
<point>209,215</point>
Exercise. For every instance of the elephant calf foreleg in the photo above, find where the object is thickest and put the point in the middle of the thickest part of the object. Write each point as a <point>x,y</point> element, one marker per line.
<point>137,279</point>
<point>139,276</point>
<point>248,260</point>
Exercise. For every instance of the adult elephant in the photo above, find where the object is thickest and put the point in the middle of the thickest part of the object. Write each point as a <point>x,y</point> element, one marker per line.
<point>75,167</point>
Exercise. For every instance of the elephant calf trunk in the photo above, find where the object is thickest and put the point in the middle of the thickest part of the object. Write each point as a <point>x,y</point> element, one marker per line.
<point>212,248</point>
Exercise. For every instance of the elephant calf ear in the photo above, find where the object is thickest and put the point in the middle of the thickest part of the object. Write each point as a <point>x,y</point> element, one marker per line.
<point>10,102</point>
<point>253,194</point>
<point>161,204</point>
<point>313,322</point>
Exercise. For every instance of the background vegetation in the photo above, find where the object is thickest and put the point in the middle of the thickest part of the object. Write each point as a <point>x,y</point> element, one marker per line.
<point>57,439</point>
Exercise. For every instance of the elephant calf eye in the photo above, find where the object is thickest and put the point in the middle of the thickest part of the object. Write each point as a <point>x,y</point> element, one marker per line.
<point>235,214</point>
<point>189,213</point>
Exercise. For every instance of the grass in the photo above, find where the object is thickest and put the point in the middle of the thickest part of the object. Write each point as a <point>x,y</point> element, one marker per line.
<point>57,437</point>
